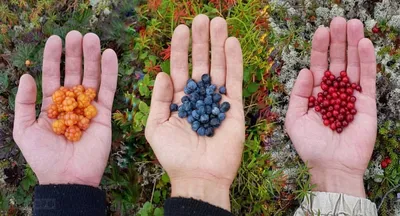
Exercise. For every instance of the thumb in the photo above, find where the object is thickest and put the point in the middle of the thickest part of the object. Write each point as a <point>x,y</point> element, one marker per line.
<point>25,114</point>
<point>302,90</point>
<point>160,102</point>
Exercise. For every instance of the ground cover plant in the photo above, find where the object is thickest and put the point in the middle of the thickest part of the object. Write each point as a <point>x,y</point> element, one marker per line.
<point>276,40</point>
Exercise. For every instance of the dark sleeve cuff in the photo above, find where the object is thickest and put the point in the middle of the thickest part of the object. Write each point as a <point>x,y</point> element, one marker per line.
<point>190,207</point>
<point>71,200</point>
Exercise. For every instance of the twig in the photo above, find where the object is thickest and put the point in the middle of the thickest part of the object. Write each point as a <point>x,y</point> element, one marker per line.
<point>384,197</point>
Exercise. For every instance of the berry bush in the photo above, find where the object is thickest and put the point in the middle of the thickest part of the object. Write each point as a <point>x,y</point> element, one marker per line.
<point>276,40</point>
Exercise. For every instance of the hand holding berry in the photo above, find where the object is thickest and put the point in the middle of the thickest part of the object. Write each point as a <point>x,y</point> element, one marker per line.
<point>199,166</point>
<point>53,158</point>
<point>338,158</point>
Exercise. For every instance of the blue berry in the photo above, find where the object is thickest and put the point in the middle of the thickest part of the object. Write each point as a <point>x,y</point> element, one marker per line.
<point>173,107</point>
<point>185,99</point>
<point>201,131</point>
<point>208,100</point>
<point>195,125</point>
<point>215,122</point>
<point>187,106</point>
<point>201,97</point>
<point>180,108</point>
<point>211,89</point>
<point>210,132</point>
<point>189,80</point>
<point>187,90</point>
<point>222,90</point>
<point>221,116</point>
<point>204,118</point>
<point>194,97</point>
<point>225,106</point>
<point>202,91</point>
<point>206,125</point>
<point>208,109</point>
<point>215,105</point>
<point>192,85</point>
<point>200,84</point>
<point>215,111</point>
<point>217,98</point>
<point>201,110</point>
<point>199,104</point>
<point>190,119</point>
<point>182,114</point>
<point>195,114</point>
<point>206,78</point>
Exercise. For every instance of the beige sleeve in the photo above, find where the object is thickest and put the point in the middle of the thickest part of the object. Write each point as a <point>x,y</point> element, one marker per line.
<point>321,203</point>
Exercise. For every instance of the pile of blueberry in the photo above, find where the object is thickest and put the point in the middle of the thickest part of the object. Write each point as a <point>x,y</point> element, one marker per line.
<point>201,106</point>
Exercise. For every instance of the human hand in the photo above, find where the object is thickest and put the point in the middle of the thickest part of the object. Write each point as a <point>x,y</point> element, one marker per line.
<point>54,159</point>
<point>199,167</point>
<point>337,161</point>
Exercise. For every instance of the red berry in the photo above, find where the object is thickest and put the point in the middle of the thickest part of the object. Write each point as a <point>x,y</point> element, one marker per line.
<point>350,105</point>
<point>317,108</point>
<point>332,119</point>
<point>332,78</point>
<point>310,105</point>
<point>352,99</point>
<point>311,99</point>
<point>320,99</point>
<point>328,82</point>
<point>325,103</point>
<point>323,111</point>
<point>342,84</point>
<point>354,85</point>
<point>342,111</point>
<point>344,123</point>
<point>331,90</point>
<point>348,85</point>
<point>353,111</point>
<point>343,96</point>
<point>343,74</point>
<point>325,93</point>
<point>335,84</point>
<point>342,90</point>
<point>349,118</point>
<point>375,29</point>
<point>335,95</point>
<point>340,117</point>
<point>320,94</point>
<point>358,88</point>
<point>329,114</point>
<point>336,107</point>
<point>332,101</point>
<point>324,87</point>
<point>328,97</point>
<point>328,73</point>
<point>388,161</point>
<point>335,113</point>
<point>345,80</point>
<point>333,126</point>
<point>384,164</point>
<point>324,79</point>
<point>324,117</point>
<point>343,104</point>
<point>349,91</point>
<point>326,122</point>
<point>339,129</point>
<point>330,108</point>
<point>338,124</point>
<point>338,101</point>
<point>339,79</point>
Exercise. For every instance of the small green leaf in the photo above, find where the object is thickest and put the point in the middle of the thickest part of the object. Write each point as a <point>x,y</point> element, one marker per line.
<point>143,107</point>
<point>253,87</point>
<point>138,117</point>
<point>165,67</point>
<point>165,178</point>
<point>143,55</point>
<point>158,212</point>
<point>143,90</point>
<point>156,197</point>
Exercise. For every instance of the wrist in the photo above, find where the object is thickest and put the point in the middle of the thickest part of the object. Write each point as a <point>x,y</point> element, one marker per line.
<point>209,191</point>
<point>60,180</point>
<point>338,181</point>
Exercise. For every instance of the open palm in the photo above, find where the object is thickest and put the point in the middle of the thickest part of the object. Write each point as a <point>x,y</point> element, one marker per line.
<point>327,151</point>
<point>54,159</point>
<point>183,154</point>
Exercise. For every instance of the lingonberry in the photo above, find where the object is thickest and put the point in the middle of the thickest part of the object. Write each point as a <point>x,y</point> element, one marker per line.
<point>344,123</point>
<point>330,108</point>
<point>349,118</point>
<point>323,111</point>
<point>311,99</point>
<point>338,79</point>
<point>329,114</point>
<point>338,124</point>
<point>324,79</point>
<point>326,122</point>
<point>73,133</point>
<point>331,119</point>
<point>59,126</point>
<point>331,90</point>
<point>325,103</point>
<point>354,85</point>
<point>343,96</point>
<point>345,80</point>
<point>328,82</point>
<point>335,84</point>
<point>384,164</point>
<point>350,106</point>
<point>352,99</point>
<point>353,111</point>
<point>52,111</point>
<point>324,87</point>
<point>343,74</point>
<point>317,108</point>
<point>327,73</point>
<point>340,117</point>
<point>349,91</point>
<point>320,94</point>
<point>342,111</point>
<point>342,90</point>
<point>336,107</point>
<point>375,29</point>
<point>335,95</point>
<point>324,117</point>
<point>339,130</point>
<point>335,113</point>
<point>332,77</point>
<point>320,99</point>
<point>333,126</point>
<point>328,97</point>
<point>358,88</point>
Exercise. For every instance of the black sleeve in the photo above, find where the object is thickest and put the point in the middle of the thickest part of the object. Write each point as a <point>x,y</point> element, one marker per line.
<point>191,207</point>
<point>71,200</point>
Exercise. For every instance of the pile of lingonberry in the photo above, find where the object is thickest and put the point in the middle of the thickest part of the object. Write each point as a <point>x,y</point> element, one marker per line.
<point>336,102</point>
<point>201,106</point>
<point>73,110</point>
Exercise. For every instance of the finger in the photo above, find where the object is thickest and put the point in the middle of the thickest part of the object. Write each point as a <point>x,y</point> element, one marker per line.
<point>234,64</point>
<point>302,90</point>
<point>219,33</point>
<point>109,76</point>
<point>355,32</point>
<point>179,57</point>
<point>160,101</point>
<point>337,50</point>
<point>73,59</point>
<point>319,54</point>
<point>91,56</point>
<point>25,114</point>
<point>200,46</point>
<point>51,65</point>
<point>368,67</point>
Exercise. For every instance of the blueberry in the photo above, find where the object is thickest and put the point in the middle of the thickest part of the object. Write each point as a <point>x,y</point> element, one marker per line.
<point>185,99</point>
<point>195,125</point>
<point>182,114</point>
<point>201,131</point>
<point>201,97</point>
<point>217,98</point>
<point>200,84</point>
<point>208,100</point>
<point>210,89</point>
<point>195,114</point>
<point>221,116</point>
<point>201,110</point>
<point>222,90</point>
<point>199,104</point>
<point>190,119</point>
<point>191,85</point>
<point>189,80</point>
<point>215,122</point>
<point>173,107</point>
<point>206,125</point>
<point>206,78</point>
<point>225,106</point>
<point>180,108</point>
<point>215,105</point>
<point>209,132</point>
<point>215,111</point>
<point>204,118</point>
<point>208,109</point>
<point>194,97</point>
<point>187,90</point>
<point>193,105</point>
<point>187,106</point>
<point>202,91</point>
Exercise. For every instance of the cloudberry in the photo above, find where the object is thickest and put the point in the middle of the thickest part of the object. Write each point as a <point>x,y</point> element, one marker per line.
<point>83,122</point>
<point>78,90</point>
<point>64,89</point>
<point>69,104</point>
<point>70,93</point>
<point>83,101</point>
<point>61,115</point>
<point>73,133</point>
<point>59,126</point>
<point>60,108</point>
<point>52,111</point>
<point>79,111</point>
<point>58,97</point>
<point>71,118</point>
<point>91,93</point>
<point>90,112</point>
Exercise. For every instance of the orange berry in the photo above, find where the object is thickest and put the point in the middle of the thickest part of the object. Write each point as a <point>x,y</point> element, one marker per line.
<point>69,104</point>
<point>64,89</point>
<point>90,112</point>
<point>83,101</point>
<point>73,133</point>
<point>79,111</point>
<point>60,108</point>
<point>91,93</point>
<point>52,111</point>
<point>61,116</point>
<point>71,118</point>
<point>78,90</point>
<point>59,126</point>
<point>83,122</point>
<point>58,97</point>
<point>70,93</point>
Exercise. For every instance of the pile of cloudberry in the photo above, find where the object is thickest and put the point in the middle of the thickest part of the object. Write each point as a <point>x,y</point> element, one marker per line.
<point>201,106</point>
<point>336,102</point>
<point>73,110</point>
